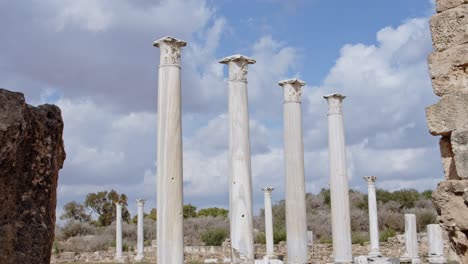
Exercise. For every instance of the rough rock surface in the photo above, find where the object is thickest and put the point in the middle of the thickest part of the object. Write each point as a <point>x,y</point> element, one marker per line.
<point>449,70</point>
<point>449,114</point>
<point>450,199</point>
<point>450,28</point>
<point>459,140</point>
<point>31,155</point>
<point>448,159</point>
<point>443,5</point>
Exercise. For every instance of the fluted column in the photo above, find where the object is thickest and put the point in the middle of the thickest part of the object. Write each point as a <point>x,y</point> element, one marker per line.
<point>296,222</point>
<point>411,254</point>
<point>339,191</point>
<point>118,232</point>
<point>170,237</point>
<point>435,243</point>
<point>140,234</point>
<point>373,220</point>
<point>268,223</point>
<point>241,214</point>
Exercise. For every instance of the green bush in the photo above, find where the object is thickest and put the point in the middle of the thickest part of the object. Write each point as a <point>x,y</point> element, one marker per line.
<point>386,234</point>
<point>214,237</point>
<point>359,238</point>
<point>260,238</point>
<point>279,235</point>
<point>326,240</point>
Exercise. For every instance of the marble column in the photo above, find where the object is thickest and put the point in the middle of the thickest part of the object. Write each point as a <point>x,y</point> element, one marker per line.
<point>373,219</point>
<point>411,240</point>
<point>435,243</point>
<point>296,222</point>
<point>268,223</point>
<point>118,232</point>
<point>170,237</point>
<point>140,235</point>
<point>339,191</point>
<point>240,175</point>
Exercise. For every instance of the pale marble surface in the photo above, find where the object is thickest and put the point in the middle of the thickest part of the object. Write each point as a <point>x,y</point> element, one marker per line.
<point>339,190</point>
<point>296,221</point>
<point>268,222</point>
<point>140,234</point>
<point>240,175</point>
<point>170,217</point>
<point>118,233</point>
<point>373,218</point>
<point>411,240</point>
<point>435,243</point>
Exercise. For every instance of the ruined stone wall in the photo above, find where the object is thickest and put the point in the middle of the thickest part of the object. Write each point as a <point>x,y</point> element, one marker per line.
<point>448,118</point>
<point>321,253</point>
<point>31,155</point>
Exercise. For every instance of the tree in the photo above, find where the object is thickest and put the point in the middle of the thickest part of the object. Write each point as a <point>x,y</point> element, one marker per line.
<point>214,237</point>
<point>75,211</point>
<point>214,212</point>
<point>153,214</point>
<point>190,211</point>
<point>103,205</point>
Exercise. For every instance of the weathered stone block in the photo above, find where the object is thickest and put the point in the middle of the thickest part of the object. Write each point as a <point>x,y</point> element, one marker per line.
<point>449,70</point>
<point>449,200</point>
<point>31,155</point>
<point>449,114</point>
<point>450,28</point>
<point>448,160</point>
<point>459,140</point>
<point>443,5</point>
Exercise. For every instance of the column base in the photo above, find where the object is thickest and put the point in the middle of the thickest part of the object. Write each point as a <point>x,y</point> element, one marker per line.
<point>371,260</point>
<point>410,260</point>
<point>139,257</point>
<point>437,260</point>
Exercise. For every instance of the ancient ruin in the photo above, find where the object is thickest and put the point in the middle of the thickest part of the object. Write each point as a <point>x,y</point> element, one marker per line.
<point>169,181</point>
<point>339,190</point>
<point>240,174</point>
<point>411,254</point>
<point>448,118</point>
<point>296,222</point>
<point>118,233</point>
<point>140,236</point>
<point>31,155</point>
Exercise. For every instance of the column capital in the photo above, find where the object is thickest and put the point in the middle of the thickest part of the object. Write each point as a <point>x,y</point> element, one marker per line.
<point>370,179</point>
<point>141,202</point>
<point>238,65</point>
<point>170,50</point>
<point>267,191</point>
<point>334,103</point>
<point>292,90</point>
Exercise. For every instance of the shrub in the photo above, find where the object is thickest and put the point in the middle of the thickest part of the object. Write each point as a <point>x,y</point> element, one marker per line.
<point>73,228</point>
<point>279,235</point>
<point>260,238</point>
<point>214,237</point>
<point>326,240</point>
<point>359,238</point>
<point>386,234</point>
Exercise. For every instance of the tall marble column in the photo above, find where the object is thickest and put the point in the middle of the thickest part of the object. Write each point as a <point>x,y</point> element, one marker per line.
<point>339,191</point>
<point>268,223</point>
<point>140,235</point>
<point>118,232</point>
<point>170,237</point>
<point>296,222</point>
<point>373,219</point>
<point>411,240</point>
<point>241,214</point>
<point>435,243</point>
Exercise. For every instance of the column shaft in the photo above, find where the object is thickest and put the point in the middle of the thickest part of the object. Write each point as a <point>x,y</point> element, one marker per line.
<point>411,240</point>
<point>140,234</point>
<point>241,213</point>
<point>435,243</point>
<point>373,218</point>
<point>170,238</point>
<point>296,222</point>
<point>268,223</point>
<point>339,191</point>
<point>118,232</point>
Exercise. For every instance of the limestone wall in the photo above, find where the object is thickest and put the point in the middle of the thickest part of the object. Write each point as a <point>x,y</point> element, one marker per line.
<point>448,118</point>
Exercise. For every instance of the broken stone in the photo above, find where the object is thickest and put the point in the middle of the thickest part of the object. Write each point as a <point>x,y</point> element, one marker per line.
<point>447,115</point>
<point>448,161</point>
<point>459,141</point>
<point>443,5</point>
<point>449,28</point>
<point>31,155</point>
<point>449,70</point>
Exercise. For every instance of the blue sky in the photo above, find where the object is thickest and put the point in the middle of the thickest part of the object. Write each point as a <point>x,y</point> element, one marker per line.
<point>94,58</point>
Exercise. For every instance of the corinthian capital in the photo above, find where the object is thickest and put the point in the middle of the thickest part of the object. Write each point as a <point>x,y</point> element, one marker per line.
<point>170,50</point>
<point>370,179</point>
<point>238,65</point>
<point>335,103</point>
<point>267,191</point>
<point>292,90</point>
